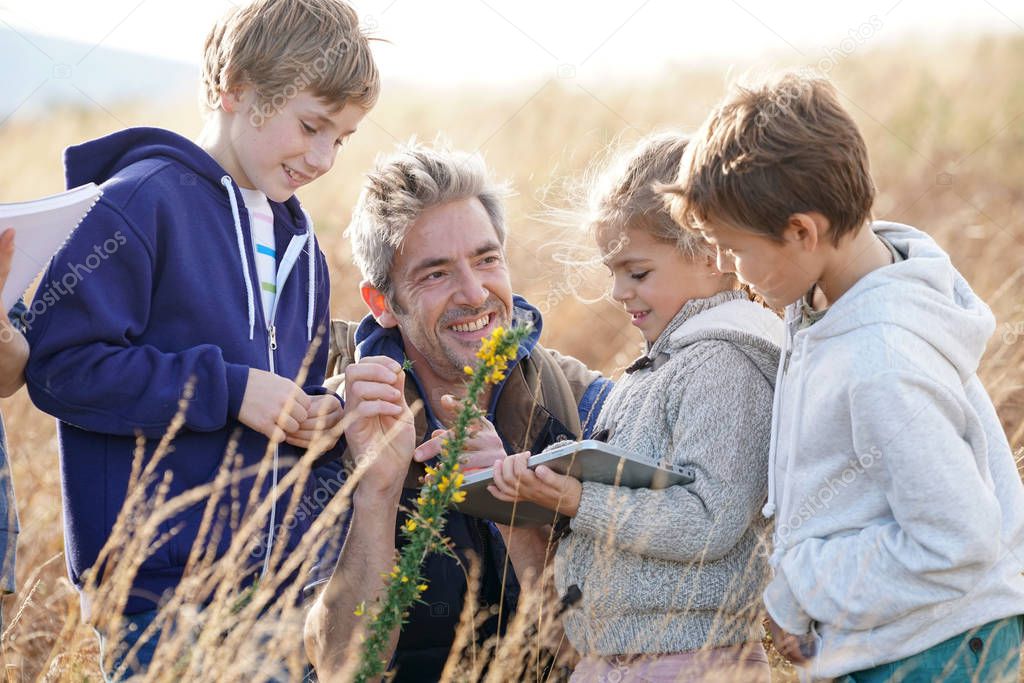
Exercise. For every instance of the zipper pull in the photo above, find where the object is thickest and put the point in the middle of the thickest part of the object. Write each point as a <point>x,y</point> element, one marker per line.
<point>272,331</point>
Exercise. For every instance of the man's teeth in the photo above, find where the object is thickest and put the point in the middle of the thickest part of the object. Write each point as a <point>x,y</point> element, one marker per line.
<point>474,326</point>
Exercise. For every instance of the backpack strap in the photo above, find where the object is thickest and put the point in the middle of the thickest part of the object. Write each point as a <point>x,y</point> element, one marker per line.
<point>341,352</point>
<point>540,403</point>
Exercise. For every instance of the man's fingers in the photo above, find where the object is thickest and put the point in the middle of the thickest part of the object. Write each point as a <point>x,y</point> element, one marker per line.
<point>450,406</point>
<point>366,390</point>
<point>427,450</point>
<point>480,460</point>
<point>376,408</point>
<point>369,370</point>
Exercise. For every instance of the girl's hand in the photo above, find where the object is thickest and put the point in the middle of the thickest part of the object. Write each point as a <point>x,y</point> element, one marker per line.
<point>513,481</point>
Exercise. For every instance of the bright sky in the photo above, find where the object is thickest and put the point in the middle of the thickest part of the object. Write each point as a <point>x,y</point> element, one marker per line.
<point>452,41</point>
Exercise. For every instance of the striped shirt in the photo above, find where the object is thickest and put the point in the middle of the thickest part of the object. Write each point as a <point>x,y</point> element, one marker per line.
<point>262,221</point>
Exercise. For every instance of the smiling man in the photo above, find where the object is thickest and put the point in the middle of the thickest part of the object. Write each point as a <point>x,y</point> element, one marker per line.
<point>429,235</point>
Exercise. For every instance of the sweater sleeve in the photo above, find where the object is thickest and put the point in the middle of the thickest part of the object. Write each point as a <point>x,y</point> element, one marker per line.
<point>720,422</point>
<point>84,367</point>
<point>945,521</point>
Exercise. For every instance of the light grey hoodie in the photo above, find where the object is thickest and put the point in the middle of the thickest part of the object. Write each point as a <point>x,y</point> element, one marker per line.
<point>899,509</point>
<point>681,568</point>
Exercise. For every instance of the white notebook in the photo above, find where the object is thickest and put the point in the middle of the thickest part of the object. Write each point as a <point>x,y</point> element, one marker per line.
<point>41,228</point>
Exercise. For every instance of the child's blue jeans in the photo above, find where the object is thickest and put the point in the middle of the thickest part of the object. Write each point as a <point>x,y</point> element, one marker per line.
<point>987,654</point>
<point>133,628</point>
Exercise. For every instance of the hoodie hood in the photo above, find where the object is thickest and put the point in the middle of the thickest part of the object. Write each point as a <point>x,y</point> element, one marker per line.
<point>946,312</point>
<point>750,327</point>
<point>726,316</point>
<point>99,160</point>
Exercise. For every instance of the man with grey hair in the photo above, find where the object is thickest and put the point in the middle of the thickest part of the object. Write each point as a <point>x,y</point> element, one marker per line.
<point>428,235</point>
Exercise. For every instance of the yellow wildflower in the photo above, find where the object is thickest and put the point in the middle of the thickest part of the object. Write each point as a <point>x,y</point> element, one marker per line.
<point>458,496</point>
<point>422,587</point>
<point>360,609</point>
<point>410,525</point>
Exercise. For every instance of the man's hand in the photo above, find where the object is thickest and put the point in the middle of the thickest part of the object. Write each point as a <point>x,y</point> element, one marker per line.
<point>483,446</point>
<point>513,481</point>
<point>787,644</point>
<point>322,423</point>
<point>380,423</point>
<point>273,405</point>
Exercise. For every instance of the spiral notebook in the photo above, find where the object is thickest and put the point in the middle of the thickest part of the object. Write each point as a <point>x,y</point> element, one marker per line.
<point>587,461</point>
<point>41,226</point>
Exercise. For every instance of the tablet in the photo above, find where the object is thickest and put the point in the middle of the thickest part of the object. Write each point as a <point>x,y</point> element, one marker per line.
<point>587,461</point>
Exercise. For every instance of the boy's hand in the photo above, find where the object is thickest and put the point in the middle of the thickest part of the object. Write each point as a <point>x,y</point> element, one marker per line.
<point>787,644</point>
<point>482,449</point>
<point>272,405</point>
<point>13,345</point>
<point>513,481</point>
<point>380,423</point>
<point>322,423</point>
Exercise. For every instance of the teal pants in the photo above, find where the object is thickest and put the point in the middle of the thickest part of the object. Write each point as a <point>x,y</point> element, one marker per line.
<point>987,654</point>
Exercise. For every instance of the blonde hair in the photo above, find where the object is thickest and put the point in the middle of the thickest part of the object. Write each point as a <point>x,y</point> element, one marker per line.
<point>623,196</point>
<point>400,188</point>
<point>283,47</point>
<point>771,149</point>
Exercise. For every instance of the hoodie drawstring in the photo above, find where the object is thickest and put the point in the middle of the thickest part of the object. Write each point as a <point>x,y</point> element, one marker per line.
<point>311,302</point>
<point>242,252</point>
<point>769,507</point>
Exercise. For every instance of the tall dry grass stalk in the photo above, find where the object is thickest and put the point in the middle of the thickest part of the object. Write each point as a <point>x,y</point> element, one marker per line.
<point>947,154</point>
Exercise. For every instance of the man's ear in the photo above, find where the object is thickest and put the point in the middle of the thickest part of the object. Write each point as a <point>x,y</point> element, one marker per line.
<point>808,230</point>
<point>378,305</point>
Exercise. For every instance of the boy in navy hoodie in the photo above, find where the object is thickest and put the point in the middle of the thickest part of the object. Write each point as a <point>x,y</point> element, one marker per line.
<point>199,266</point>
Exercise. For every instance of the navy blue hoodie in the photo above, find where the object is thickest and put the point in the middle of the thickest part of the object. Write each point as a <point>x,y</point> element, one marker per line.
<point>156,287</point>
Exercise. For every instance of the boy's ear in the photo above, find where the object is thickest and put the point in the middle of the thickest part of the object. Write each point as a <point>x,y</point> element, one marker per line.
<point>378,304</point>
<point>233,100</point>
<point>808,230</point>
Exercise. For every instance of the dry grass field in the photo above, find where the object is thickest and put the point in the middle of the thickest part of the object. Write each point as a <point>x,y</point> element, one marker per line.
<point>944,123</point>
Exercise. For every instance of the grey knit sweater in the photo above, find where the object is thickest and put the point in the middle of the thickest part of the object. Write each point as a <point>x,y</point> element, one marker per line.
<point>676,569</point>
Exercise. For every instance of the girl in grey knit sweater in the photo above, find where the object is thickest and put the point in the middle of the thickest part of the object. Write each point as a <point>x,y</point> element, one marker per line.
<point>670,579</point>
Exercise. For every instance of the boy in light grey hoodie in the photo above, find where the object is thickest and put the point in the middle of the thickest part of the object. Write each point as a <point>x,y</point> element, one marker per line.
<point>899,510</point>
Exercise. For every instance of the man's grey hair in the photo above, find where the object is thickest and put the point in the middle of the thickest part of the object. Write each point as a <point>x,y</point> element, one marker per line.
<point>402,186</point>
